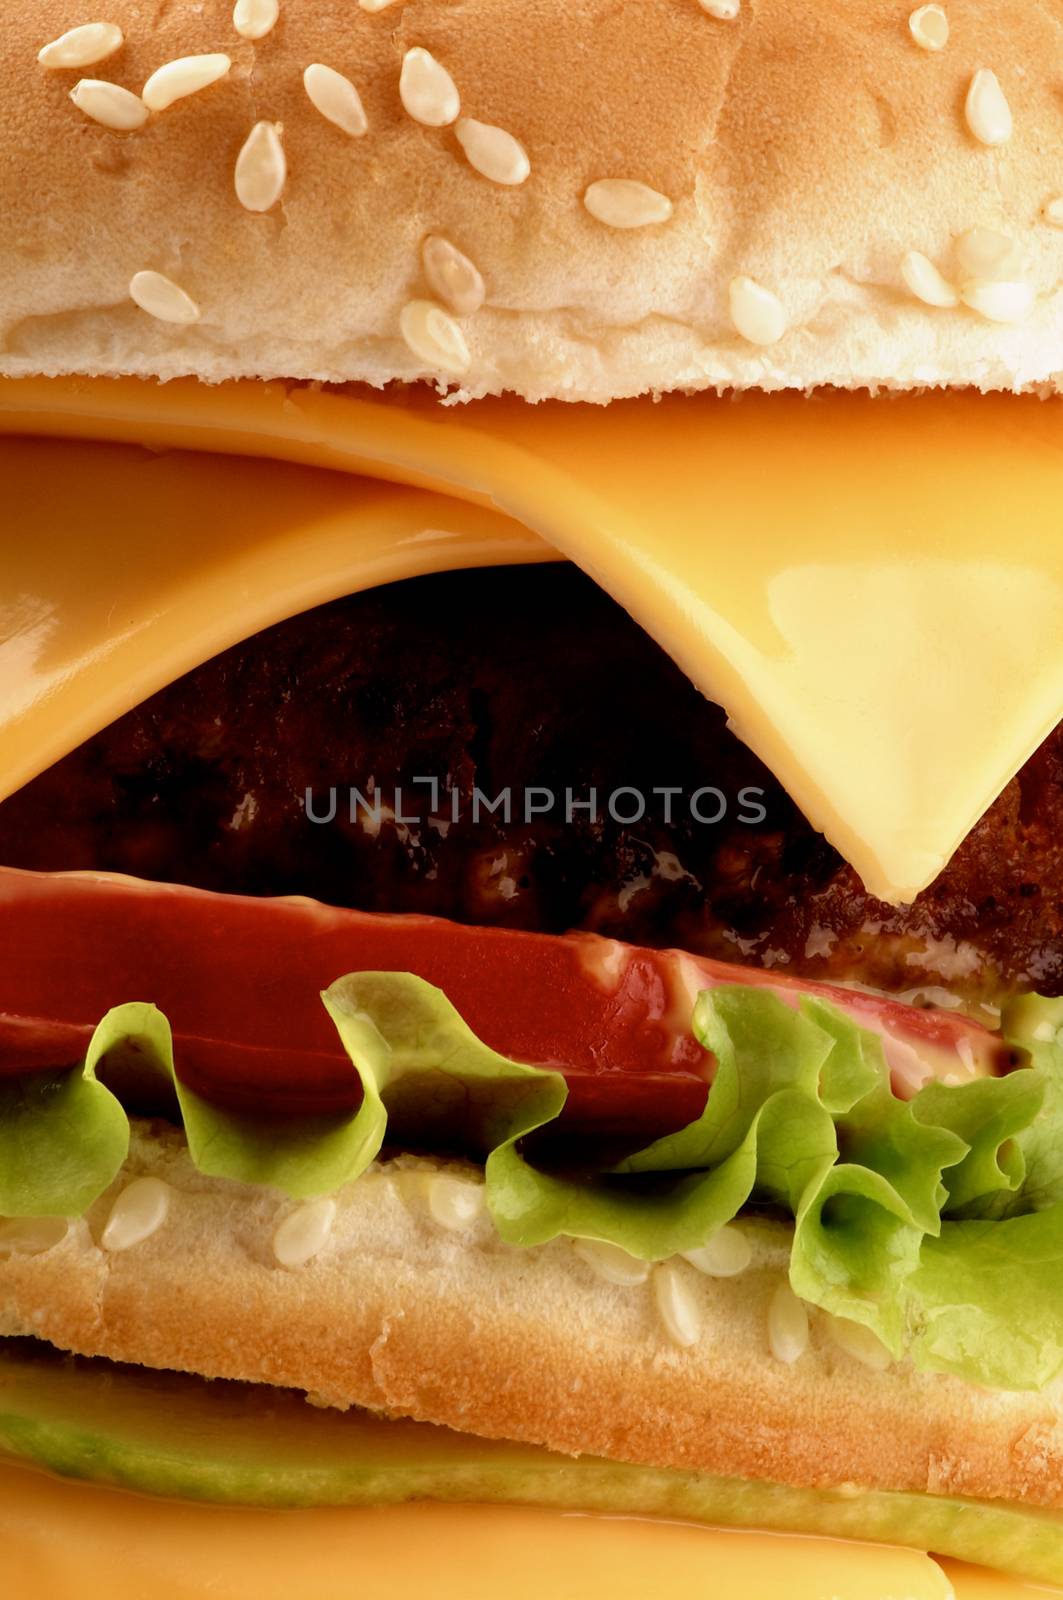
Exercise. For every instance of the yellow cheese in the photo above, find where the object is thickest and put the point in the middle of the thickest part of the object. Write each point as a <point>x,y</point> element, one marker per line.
<point>871,588</point>
<point>122,569</point>
<point>67,1541</point>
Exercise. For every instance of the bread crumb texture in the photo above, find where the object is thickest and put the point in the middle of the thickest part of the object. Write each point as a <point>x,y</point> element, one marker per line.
<point>415,1308</point>
<point>766,177</point>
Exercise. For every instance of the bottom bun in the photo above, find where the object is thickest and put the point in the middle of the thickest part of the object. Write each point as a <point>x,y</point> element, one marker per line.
<point>413,1307</point>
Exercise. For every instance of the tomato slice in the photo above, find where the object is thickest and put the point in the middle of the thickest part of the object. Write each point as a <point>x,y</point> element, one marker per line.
<point>239,980</point>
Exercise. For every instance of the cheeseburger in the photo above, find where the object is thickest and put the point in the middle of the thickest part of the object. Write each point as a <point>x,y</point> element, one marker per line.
<point>531,904</point>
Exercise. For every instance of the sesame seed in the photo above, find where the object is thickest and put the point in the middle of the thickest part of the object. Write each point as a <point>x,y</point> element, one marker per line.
<point>375,5</point>
<point>82,47</point>
<point>722,10</point>
<point>178,79</point>
<point>610,1263</point>
<point>676,1305</point>
<point>987,110</point>
<point>984,253</point>
<point>304,1233</point>
<point>160,297</point>
<point>253,19</point>
<point>109,104</point>
<point>32,1236</point>
<point>336,98</point>
<point>999,302</point>
<point>139,1211</point>
<point>433,336</point>
<point>787,1325</point>
<point>1052,211</point>
<point>930,27</point>
<point>626,203</point>
<point>757,314</point>
<point>427,90</point>
<point>493,152</point>
<point>725,1255</point>
<point>455,1203</point>
<point>926,282</point>
<point>261,168</point>
<point>860,1342</point>
<point>451,276</point>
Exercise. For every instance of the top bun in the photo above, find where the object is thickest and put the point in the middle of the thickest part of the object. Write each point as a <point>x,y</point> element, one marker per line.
<point>797,155</point>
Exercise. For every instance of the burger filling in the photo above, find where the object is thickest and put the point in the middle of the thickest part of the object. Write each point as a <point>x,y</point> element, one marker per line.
<point>578,940</point>
<point>417,749</point>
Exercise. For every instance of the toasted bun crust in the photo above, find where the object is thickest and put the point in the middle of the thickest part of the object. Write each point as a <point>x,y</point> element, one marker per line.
<point>809,148</point>
<point>399,1315</point>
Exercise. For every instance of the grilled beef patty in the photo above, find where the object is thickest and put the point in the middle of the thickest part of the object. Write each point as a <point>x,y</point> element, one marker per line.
<point>531,680</point>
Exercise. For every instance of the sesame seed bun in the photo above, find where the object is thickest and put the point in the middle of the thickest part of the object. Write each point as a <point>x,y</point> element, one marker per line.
<point>795,165</point>
<point>406,1317</point>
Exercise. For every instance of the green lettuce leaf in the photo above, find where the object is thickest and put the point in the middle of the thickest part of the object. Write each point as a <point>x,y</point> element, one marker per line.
<point>304,1156</point>
<point>762,1116</point>
<point>63,1138</point>
<point>405,1044</point>
<point>860,1227</point>
<point>988,1114</point>
<point>421,1064</point>
<point>987,1299</point>
<point>1035,1026</point>
<point>936,1222</point>
<point>800,1114</point>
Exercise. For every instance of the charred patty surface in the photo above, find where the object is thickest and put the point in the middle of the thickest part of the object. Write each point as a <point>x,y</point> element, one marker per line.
<point>526,682</point>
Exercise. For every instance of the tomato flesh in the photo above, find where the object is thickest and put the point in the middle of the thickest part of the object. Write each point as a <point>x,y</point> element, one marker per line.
<point>239,980</point>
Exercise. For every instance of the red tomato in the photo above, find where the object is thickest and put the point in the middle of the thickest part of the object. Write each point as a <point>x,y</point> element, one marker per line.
<point>239,980</point>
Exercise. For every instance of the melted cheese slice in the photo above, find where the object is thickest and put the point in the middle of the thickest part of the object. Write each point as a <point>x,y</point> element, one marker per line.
<point>122,569</point>
<point>872,589</point>
<point>63,1541</point>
